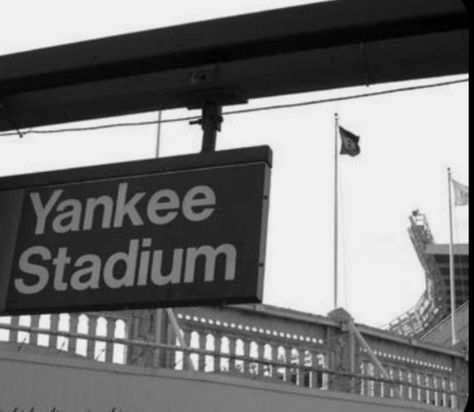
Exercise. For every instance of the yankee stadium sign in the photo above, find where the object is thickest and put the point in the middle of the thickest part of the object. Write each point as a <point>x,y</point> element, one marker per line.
<point>186,230</point>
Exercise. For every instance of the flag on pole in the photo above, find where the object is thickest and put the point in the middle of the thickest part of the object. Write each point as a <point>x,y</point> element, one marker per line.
<point>461,193</point>
<point>349,142</point>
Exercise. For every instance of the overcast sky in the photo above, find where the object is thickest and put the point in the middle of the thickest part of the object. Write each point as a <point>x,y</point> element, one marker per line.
<point>407,141</point>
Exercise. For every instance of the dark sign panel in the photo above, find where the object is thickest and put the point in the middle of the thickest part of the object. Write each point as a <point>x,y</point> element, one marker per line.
<point>187,230</point>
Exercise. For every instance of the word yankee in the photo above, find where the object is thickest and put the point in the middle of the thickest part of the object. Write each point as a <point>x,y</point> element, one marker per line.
<point>162,208</point>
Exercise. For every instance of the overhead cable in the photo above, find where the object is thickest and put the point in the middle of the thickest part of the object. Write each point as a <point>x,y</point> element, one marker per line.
<point>234,112</point>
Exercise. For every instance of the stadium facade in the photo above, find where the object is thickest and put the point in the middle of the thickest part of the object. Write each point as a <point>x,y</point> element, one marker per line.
<point>434,306</point>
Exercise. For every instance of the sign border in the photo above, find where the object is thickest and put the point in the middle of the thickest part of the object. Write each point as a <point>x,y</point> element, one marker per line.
<point>139,167</point>
<point>235,157</point>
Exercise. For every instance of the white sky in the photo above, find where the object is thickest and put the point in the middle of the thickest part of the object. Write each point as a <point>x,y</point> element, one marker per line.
<point>407,140</point>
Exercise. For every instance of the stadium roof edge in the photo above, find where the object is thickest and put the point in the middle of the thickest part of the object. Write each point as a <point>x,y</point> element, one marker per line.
<point>443,249</point>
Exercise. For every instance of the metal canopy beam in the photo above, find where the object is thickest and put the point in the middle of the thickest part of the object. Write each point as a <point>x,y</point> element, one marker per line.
<point>306,48</point>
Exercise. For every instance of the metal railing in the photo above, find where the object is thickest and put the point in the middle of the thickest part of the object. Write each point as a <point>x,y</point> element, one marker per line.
<point>304,371</point>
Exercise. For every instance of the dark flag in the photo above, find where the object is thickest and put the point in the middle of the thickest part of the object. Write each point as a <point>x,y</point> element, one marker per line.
<point>349,142</point>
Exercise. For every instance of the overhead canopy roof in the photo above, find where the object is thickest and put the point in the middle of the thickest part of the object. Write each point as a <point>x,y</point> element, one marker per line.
<point>305,48</point>
<point>443,249</point>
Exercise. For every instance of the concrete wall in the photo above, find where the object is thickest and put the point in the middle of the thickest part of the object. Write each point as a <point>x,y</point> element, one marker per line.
<point>46,382</point>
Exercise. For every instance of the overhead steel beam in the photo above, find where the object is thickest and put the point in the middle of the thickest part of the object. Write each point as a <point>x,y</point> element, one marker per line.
<point>306,48</point>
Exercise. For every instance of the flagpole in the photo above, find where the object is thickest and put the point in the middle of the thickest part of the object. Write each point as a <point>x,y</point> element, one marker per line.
<point>336,127</point>
<point>451,264</point>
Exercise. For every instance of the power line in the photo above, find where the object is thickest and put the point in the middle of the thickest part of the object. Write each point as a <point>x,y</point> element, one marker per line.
<point>234,112</point>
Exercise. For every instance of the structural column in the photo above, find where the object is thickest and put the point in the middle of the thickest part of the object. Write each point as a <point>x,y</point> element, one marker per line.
<point>274,368</point>
<point>232,347</point>
<point>92,325</point>
<point>461,372</point>
<point>15,321</point>
<point>109,346</point>
<point>300,368</point>
<point>217,351</point>
<point>288,362</point>
<point>53,343</point>
<point>202,346</point>
<point>35,321</point>
<point>187,353</point>
<point>73,323</point>
<point>246,345</point>
<point>260,358</point>
<point>142,328</point>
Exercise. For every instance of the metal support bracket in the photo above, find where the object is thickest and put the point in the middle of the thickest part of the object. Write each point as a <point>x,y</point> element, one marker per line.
<point>347,325</point>
<point>210,98</point>
<point>3,113</point>
<point>210,122</point>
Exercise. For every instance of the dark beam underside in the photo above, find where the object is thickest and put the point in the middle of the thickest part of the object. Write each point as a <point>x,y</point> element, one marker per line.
<point>307,48</point>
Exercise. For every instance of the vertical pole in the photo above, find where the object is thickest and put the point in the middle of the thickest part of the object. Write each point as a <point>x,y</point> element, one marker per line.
<point>451,265</point>
<point>211,124</point>
<point>158,135</point>
<point>336,127</point>
<point>169,311</point>
<point>158,317</point>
